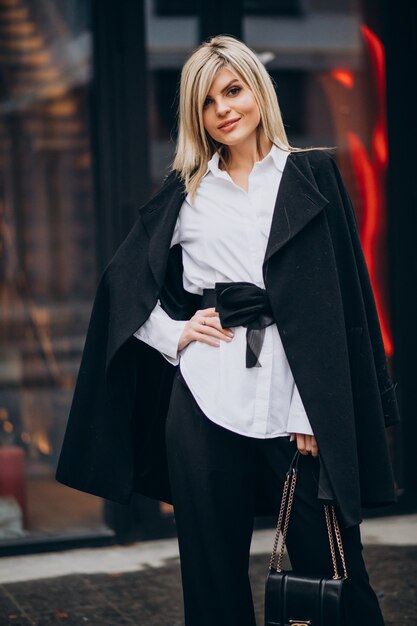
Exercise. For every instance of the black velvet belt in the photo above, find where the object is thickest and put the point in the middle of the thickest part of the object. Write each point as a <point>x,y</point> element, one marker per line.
<point>242,304</point>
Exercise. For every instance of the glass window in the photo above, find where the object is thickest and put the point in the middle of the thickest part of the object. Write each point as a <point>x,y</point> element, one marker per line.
<point>171,34</point>
<point>48,268</point>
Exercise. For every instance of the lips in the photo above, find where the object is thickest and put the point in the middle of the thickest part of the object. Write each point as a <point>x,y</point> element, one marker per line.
<point>228,122</point>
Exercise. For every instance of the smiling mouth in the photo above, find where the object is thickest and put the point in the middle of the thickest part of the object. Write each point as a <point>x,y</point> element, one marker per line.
<point>226,124</point>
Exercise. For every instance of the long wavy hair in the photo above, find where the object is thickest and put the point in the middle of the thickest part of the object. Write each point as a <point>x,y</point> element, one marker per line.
<point>195,146</point>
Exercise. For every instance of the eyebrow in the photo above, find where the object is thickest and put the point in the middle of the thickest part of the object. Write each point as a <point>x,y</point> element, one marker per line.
<point>235,80</point>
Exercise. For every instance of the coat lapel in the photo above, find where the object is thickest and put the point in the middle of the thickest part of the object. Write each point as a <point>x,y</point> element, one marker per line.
<point>298,201</point>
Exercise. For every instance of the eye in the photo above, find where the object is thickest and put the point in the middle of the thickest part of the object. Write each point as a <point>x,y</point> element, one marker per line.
<point>206,102</point>
<point>236,89</point>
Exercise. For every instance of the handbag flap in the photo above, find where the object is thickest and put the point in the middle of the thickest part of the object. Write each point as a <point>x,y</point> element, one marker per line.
<point>292,599</point>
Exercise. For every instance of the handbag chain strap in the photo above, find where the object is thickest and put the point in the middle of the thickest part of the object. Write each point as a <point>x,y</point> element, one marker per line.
<point>289,487</point>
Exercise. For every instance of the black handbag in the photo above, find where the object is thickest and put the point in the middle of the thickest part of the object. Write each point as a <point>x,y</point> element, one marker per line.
<point>293,599</point>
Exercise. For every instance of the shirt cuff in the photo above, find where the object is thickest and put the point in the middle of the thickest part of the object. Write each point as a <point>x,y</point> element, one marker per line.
<point>162,333</point>
<point>298,421</point>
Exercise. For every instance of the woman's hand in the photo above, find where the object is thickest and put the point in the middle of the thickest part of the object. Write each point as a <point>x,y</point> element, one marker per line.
<point>306,444</point>
<point>204,326</point>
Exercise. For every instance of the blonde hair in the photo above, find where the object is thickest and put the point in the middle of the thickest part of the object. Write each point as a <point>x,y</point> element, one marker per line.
<point>195,146</point>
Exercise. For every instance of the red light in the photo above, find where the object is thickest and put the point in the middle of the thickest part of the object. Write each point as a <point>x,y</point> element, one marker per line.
<point>370,189</point>
<point>344,77</point>
<point>380,145</point>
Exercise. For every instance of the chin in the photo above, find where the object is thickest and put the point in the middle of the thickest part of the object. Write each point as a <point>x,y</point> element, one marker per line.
<point>235,139</point>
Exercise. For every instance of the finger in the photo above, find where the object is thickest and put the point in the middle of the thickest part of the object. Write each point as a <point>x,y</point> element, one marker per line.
<point>217,324</point>
<point>214,323</point>
<point>203,330</point>
<point>205,314</point>
<point>314,447</point>
<point>205,338</point>
<point>301,443</point>
<point>211,317</point>
<point>210,312</point>
<point>209,329</point>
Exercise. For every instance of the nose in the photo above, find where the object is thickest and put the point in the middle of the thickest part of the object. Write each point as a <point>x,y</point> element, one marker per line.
<point>222,108</point>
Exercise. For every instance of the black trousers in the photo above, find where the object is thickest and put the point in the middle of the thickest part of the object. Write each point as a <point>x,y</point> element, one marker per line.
<point>212,473</point>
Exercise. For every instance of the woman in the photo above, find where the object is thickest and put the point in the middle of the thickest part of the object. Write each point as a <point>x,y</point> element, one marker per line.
<point>254,413</point>
<point>246,271</point>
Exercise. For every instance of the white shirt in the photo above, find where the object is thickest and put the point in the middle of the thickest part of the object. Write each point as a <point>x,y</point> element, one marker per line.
<point>223,236</point>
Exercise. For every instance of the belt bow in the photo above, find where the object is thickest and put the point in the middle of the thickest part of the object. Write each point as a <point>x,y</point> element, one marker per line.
<point>242,303</point>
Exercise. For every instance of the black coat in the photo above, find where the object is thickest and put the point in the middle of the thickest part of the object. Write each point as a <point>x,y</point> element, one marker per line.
<point>318,285</point>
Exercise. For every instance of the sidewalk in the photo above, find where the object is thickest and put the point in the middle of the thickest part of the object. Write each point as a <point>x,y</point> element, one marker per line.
<point>140,584</point>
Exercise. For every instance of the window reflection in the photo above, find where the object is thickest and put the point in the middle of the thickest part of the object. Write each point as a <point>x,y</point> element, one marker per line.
<point>47,257</point>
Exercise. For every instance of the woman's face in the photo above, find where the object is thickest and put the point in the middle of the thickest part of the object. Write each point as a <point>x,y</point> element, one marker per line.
<point>230,99</point>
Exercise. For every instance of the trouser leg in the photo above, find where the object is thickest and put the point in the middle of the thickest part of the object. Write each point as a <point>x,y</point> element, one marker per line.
<point>212,484</point>
<point>308,543</point>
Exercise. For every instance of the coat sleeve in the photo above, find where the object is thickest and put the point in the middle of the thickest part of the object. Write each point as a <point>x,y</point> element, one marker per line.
<point>113,442</point>
<point>386,386</point>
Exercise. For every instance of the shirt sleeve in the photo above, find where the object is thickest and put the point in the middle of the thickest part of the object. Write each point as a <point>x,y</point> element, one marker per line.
<point>162,332</point>
<point>298,421</point>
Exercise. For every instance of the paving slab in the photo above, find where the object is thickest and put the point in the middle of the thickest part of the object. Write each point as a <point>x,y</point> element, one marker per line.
<point>398,530</point>
<point>152,596</point>
<point>140,583</point>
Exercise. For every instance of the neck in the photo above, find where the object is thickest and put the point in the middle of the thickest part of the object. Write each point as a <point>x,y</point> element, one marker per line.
<point>245,154</point>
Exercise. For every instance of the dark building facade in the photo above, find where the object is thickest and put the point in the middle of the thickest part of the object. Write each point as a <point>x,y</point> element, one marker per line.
<point>88,94</point>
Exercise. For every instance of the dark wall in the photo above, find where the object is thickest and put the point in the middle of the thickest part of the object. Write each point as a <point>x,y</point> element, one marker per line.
<point>119,123</point>
<point>400,34</point>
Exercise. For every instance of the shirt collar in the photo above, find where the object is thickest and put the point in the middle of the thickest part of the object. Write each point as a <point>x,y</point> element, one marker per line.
<point>276,154</point>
